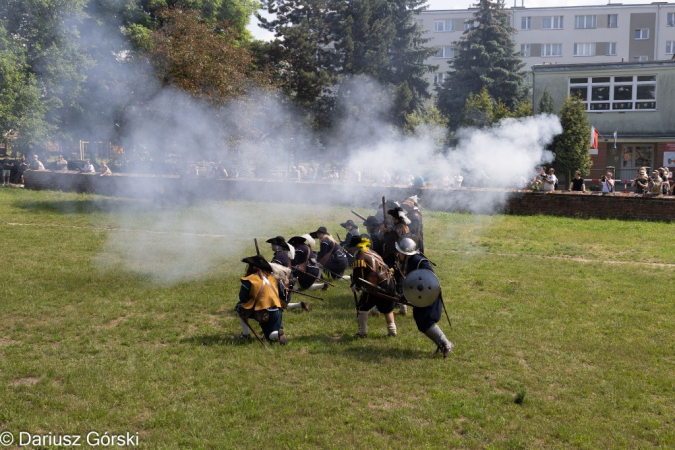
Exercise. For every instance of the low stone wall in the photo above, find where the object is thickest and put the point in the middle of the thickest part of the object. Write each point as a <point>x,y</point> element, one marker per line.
<point>475,200</point>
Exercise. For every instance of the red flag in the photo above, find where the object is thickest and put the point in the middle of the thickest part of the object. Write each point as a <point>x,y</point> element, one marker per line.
<point>594,138</point>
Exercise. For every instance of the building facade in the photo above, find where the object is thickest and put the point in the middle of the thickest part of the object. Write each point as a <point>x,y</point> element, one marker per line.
<point>633,99</point>
<point>565,35</point>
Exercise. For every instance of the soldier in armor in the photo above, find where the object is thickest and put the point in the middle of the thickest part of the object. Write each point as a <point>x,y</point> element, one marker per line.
<point>369,266</point>
<point>411,206</point>
<point>331,257</point>
<point>397,230</point>
<point>260,299</point>
<point>281,264</point>
<point>305,268</point>
<point>426,317</point>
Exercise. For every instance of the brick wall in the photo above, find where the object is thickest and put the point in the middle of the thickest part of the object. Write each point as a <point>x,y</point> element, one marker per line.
<point>476,200</point>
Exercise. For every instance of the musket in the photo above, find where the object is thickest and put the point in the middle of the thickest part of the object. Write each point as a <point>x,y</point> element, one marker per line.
<point>313,276</point>
<point>384,212</point>
<point>359,215</point>
<point>252,330</point>
<point>384,294</point>
<point>306,295</point>
<point>257,249</point>
<point>446,311</point>
<point>356,299</point>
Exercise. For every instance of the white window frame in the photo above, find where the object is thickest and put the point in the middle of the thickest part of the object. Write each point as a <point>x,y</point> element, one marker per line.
<point>586,22</point>
<point>547,50</point>
<point>609,21</point>
<point>584,49</point>
<point>641,34</point>
<point>611,84</point>
<point>469,24</point>
<point>444,51</point>
<point>670,21</point>
<point>670,47</point>
<point>526,23</point>
<point>439,78</point>
<point>641,58</point>
<point>526,49</point>
<point>447,26</point>
<point>611,49</point>
<point>554,23</point>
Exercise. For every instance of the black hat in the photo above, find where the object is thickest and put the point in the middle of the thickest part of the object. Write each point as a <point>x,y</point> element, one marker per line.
<point>315,234</point>
<point>297,240</point>
<point>395,212</point>
<point>349,223</point>
<point>371,221</point>
<point>356,240</point>
<point>280,241</point>
<point>259,262</point>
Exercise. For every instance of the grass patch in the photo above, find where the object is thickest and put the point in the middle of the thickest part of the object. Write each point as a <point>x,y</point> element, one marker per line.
<point>116,317</point>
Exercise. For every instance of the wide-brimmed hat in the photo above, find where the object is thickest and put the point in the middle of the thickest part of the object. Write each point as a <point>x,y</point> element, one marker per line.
<point>349,223</point>
<point>315,234</point>
<point>279,241</point>
<point>371,221</point>
<point>297,240</point>
<point>356,240</point>
<point>259,262</point>
<point>396,212</point>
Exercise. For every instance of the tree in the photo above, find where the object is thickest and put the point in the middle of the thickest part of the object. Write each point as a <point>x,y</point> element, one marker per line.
<point>546,103</point>
<point>485,57</point>
<point>478,110</point>
<point>571,146</point>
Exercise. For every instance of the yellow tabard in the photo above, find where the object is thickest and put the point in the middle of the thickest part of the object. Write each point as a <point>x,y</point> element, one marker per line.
<point>269,297</point>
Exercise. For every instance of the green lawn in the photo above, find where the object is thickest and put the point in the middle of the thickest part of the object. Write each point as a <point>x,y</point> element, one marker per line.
<point>116,316</point>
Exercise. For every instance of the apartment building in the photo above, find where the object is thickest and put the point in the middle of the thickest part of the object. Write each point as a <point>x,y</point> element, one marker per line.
<point>565,35</point>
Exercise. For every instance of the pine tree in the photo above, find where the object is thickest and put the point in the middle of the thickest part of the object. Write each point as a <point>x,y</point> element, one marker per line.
<point>571,146</point>
<point>478,110</point>
<point>546,103</point>
<point>485,57</point>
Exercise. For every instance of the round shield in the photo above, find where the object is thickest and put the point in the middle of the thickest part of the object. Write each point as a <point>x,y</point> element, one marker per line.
<point>421,287</point>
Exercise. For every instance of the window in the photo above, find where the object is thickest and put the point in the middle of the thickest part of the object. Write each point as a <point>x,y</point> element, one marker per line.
<point>439,78</point>
<point>585,22</point>
<point>612,21</point>
<point>445,52</point>
<point>641,34</point>
<point>671,19</point>
<point>611,49</point>
<point>444,25</point>
<point>552,23</point>
<point>469,24</point>
<point>670,47</point>
<point>526,23</point>
<point>620,93</point>
<point>585,49</point>
<point>551,50</point>
<point>526,49</point>
<point>640,58</point>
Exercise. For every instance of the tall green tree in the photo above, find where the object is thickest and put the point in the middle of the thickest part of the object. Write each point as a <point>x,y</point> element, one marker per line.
<point>485,57</point>
<point>546,103</point>
<point>571,147</point>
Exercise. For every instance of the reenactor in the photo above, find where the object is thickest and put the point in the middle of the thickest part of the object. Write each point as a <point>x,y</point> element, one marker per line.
<point>331,257</point>
<point>281,265</point>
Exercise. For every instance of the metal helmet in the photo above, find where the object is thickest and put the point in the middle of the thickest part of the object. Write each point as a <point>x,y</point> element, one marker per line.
<point>407,246</point>
<point>421,287</point>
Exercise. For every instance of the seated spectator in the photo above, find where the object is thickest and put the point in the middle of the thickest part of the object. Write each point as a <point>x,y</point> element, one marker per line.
<point>577,183</point>
<point>105,170</point>
<point>419,181</point>
<point>61,164</point>
<point>36,164</point>
<point>88,167</point>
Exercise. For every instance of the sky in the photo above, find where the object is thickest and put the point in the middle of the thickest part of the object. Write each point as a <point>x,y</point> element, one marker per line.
<point>259,33</point>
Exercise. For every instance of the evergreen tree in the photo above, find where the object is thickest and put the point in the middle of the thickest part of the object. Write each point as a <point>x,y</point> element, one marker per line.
<point>546,103</point>
<point>571,146</point>
<point>478,110</point>
<point>485,57</point>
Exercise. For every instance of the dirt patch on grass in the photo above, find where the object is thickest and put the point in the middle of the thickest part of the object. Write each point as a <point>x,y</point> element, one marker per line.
<point>110,325</point>
<point>28,381</point>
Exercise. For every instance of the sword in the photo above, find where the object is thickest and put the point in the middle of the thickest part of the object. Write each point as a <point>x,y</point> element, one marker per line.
<point>385,294</point>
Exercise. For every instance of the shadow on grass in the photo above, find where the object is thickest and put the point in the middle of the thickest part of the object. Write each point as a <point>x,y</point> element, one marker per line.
<point>218,339</point>
<point>98,205</point>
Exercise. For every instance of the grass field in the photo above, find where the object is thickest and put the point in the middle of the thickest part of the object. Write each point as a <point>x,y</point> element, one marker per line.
<point>116,317</point>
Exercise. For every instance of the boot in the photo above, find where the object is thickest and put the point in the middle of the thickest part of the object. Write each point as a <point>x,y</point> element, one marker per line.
<point>245,332</point>
<point>306,306</point>
<point>403,310</point>
<point>363,324</point>
<point>436,335</point>
<point>391,329</point>
<point>278,336</point>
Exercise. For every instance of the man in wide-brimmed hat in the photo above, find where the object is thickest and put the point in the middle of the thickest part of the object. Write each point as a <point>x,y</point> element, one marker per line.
<point>260,299</point>
<point>282,271</point>
<point>305,267</point>
<point>331,256</point>
<point>369,266</point>
<point>352,230</point>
